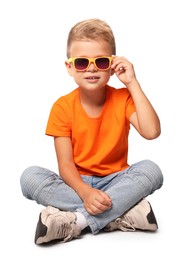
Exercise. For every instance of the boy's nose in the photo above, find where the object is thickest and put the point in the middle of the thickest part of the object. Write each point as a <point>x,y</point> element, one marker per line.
<point>92,67</point>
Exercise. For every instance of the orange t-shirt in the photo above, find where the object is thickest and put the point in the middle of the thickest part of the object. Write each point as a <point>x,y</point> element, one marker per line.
<point>100,145</point>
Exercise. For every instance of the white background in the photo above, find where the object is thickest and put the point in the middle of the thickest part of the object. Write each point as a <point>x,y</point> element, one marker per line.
<point>33,37</point>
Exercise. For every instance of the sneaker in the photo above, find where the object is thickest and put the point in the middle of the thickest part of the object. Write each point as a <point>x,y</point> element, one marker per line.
<point>54,224</point>
<point>139,217</point>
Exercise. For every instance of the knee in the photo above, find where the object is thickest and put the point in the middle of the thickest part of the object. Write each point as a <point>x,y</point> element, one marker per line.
<point>27,180</point>
<point>153,172</point>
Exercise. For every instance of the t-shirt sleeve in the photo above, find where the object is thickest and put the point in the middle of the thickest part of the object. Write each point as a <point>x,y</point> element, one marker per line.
<point>58,123</point>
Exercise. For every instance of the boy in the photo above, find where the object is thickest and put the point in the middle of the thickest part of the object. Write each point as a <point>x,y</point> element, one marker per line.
<point>96,187</point>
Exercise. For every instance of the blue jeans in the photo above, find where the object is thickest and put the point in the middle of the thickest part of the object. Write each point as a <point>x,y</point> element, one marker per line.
<point>125,188</point>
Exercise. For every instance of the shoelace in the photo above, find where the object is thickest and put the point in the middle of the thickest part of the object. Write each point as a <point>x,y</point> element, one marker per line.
<point>125,223</point>
<point>67,231</point>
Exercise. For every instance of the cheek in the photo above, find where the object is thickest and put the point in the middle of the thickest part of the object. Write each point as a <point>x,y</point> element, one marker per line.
<point>107,75</point>
<point>77,77</point>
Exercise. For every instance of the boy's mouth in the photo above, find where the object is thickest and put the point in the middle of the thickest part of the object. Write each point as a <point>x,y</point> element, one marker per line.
<point>92,77</point>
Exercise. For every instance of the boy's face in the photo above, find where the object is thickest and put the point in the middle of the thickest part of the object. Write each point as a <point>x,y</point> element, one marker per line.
<point>91,78</point>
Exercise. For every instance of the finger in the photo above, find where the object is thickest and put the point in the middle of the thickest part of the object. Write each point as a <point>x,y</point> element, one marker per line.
<point>93,210</point>
<point>105,199</point>
<point>101,207</point>
<point>123,58</point>
<point>119,66</point>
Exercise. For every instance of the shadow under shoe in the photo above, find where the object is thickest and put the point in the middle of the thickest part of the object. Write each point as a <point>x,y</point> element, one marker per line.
<point>139,217</point>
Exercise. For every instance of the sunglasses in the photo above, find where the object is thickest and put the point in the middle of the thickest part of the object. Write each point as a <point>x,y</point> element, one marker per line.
<point>101,63</point>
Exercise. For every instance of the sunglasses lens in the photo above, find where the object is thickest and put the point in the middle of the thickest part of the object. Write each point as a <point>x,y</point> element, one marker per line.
<point>81,63</point>
<point>102,63</point>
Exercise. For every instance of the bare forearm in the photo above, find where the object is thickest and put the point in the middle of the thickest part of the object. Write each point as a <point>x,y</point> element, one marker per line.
<point>95,201</point>
<point>145,120</point>
<point>72,178</point>
<point>148,121</point>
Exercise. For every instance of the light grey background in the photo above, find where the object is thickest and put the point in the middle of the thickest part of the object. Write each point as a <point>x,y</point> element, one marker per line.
<point>33,38</point>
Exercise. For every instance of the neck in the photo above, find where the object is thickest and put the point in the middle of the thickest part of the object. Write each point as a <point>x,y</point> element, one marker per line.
<point>94,97</point>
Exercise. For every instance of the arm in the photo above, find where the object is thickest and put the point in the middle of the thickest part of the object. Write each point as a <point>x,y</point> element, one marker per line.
<point>145,119</point>
<point>95,201</point>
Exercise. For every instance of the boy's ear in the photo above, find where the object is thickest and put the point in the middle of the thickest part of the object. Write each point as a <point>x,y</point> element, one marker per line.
<point>69,68</point>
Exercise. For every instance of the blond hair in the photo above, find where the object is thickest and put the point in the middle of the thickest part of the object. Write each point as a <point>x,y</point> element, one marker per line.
<point>91,29</point>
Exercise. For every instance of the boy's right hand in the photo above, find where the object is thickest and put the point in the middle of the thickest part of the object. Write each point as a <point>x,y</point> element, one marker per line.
<point>95,201</point>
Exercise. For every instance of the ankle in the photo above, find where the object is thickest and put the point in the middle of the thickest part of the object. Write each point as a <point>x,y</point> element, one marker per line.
<point>81,221</point>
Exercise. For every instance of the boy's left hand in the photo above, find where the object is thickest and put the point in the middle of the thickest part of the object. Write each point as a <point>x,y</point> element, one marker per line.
<point>124,70</point>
